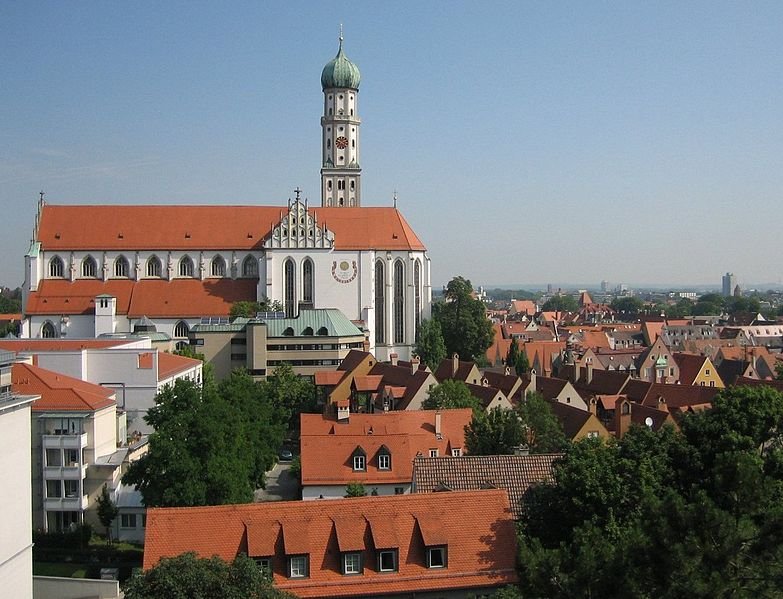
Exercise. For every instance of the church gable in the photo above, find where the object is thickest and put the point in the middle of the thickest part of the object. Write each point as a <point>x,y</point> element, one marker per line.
<point>299,228</point>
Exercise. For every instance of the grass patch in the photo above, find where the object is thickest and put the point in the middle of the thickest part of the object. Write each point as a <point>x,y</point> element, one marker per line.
<point>59,569</point>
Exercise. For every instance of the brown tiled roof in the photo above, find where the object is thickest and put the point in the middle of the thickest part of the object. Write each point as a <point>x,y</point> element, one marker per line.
<point>198,227</point>
<point>370,382</point>
<point>327,446</point>
<point>550,387</point>
<point>59,393</point>
<point>730,370</point>
<point>515,473</point>
<point>328,378</point>
<point>743,380</point>
<point>604,382</point>
<point>501,381</point>
<point>485,395</point>
<point>352,359</point>
<point>690,365</point>
<point>476,526</point>
<point>675,396</point>
<point>400,376</point>
<point>571,419</point>
<point>445,370</point>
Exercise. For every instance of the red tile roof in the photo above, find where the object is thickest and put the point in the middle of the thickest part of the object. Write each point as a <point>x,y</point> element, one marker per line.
<point>147,297</point>
<point>172,364</point>
<point>328,378</point>
<point>476,526</point>
<point>28,346</point>
<point>690,366</point>
<point>59,392</point>
<point>160,228</point>
<point>327,446</point>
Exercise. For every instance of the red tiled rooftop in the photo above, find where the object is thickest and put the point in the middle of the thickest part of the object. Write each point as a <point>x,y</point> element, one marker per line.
<point>59,392</point>
<point>475,525</point>
<point>23,346</point>
<point>172,364</point>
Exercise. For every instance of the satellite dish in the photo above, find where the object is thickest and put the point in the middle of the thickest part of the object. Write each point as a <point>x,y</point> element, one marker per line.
<point>649,422</point>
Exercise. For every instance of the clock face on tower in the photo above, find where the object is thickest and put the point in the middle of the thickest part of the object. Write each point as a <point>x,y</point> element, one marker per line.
<point>341,142</point>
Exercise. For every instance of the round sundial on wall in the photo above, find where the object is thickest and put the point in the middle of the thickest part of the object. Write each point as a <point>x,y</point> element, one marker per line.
<point>341,142</point>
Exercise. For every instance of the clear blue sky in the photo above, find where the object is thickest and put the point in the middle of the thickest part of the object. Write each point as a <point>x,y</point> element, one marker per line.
<point>528,142</point>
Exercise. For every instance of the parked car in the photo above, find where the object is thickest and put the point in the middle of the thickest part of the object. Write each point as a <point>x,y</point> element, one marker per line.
<point>285,455</point>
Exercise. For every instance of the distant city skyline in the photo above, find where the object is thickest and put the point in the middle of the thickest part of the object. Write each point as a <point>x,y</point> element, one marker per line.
<point>526,142</point>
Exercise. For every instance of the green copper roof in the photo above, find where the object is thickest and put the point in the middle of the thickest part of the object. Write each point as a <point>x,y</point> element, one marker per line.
<point>333,321</point>
<point>340,72</point>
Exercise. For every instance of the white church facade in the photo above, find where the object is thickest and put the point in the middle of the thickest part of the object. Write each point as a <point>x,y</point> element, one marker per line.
<point>97,269</point>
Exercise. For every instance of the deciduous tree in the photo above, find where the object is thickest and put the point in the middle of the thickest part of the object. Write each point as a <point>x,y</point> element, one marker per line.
<point>542,430</point>
<point>463,321</point>
<point>497,432</point>
<point>430,346</point>
<point>451,394</point>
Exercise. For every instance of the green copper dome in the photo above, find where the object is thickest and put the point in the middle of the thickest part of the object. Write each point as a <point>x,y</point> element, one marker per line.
<point>340,72</point>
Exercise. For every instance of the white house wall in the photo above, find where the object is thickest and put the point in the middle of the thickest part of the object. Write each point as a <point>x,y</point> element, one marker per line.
<point>338,491</point>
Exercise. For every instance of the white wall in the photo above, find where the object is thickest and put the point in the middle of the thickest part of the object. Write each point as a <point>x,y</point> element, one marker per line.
<point>338,491</point>
<point>16,553</point>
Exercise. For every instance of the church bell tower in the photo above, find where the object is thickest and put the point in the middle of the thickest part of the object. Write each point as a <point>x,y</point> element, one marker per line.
<point>340,170</point>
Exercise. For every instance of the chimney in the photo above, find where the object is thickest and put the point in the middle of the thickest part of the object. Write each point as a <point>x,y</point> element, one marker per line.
<point>414,365</point>
<point>438,431</point>
<point>507,371</point>
<point>343,411</point>
<point>454,364</point>
<point>589,373</point>
<point>532,388</point>
<point>592,406</point>
<point>577,372</point>
<point>622,418</point>
<point>393,359</point>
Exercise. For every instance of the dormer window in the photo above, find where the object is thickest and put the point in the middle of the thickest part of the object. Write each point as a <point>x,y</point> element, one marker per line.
<point>384,461</point>
<point>436,557</point>
<point>359,463</point>
<point>298,566</point>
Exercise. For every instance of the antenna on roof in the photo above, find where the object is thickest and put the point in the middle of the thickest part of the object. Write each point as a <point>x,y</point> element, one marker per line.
<point>394,197</point>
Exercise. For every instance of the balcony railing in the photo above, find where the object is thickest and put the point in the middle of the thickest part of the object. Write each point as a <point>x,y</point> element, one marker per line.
<point>73,471</point>
<point>66,504</point>
<point>65,441</point>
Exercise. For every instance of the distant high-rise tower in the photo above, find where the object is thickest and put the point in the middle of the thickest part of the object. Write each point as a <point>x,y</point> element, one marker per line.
<point>729,283</point>
<point>604,286</point>
<point>340,170</point>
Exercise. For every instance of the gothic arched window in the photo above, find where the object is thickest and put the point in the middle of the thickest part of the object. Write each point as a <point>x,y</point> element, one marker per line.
<point>181,329</point>
<point>289,288</point>
<point>380,303</point>
<point>56,267</point>
<point>153,267</point>
<point>416,296</point>
<point>121,267</point>
<point>218,266</point>
<point>399,302</point>
<point>48,331</point>
<point>89,267</point>
<point>185,267</point>
<point>307,281</point>
<point>250,267</point>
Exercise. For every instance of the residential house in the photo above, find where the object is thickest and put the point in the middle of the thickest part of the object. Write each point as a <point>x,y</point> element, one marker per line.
<point>489,397</point>
<point>697,370</point>
<point>677,398</point>
<point>514,473</point>
<point>551,388</point>
<point>459,370</point>
<point>656,364</point>
<point>456,544</point>
<point>376,450</point>
<point>577,423</point>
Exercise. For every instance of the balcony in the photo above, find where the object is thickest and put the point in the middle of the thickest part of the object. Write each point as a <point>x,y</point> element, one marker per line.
<point>73,471</point>
<point>65,504</point>
<point>65,441</point>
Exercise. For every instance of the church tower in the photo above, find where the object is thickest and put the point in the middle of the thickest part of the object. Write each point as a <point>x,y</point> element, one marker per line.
<point>340,170</point>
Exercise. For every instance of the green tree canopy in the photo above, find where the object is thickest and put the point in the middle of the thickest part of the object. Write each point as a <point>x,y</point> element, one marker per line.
<point>107,510</point>
<point>211,445</point>
<point>542,431</point>
<point>189,577</point>
<point>522,364</point>
<point>463,322</point>
<point>291,395</point>
<point>355,489</point>
<point>665,514</point>
<point>247,309</point>
<point>560,303</point>
<point>430,346</point>
<point>513,353</point>
<point>451,394</point>
<point>629,306</point>
<point>496,432</point>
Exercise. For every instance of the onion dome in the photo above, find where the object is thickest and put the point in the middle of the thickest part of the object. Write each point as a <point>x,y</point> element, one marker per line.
<point>340,72</point>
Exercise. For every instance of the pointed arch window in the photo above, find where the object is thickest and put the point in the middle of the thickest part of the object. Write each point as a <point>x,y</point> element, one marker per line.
<point>48,331</point>
<point>416,297</point>
<point>307,281</point>
<point>89,267</point>
<point>289,287</point>
<point>56,267</point>
<point>399,302</point>
<point>380,303</point>
<point>323,332</point>
<point>121,267</point>
<point>181,330</point>
<point>218,267</point>
<point>153,267</point>
<point>308,332</point>
<point>186,267</point>
<point>250,267</point>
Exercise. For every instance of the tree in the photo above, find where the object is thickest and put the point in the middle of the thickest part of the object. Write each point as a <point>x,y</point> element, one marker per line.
<point>463,321</point>
<point>630,306</point>
<point>560,303</point>
<point>355,489</point>
<point>430,346</point>
<point>541,428</point>
<point>291,395</point>
<point>211,445</point>
<point>451,394</point>
<point>665,514</point>
<point>107,511</point>
<point>190,577</point>
<point>522,364</point>
<point>494,433</point>
<point>245,309</point>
